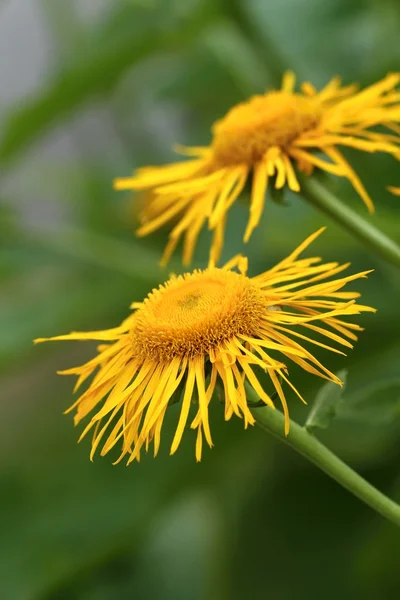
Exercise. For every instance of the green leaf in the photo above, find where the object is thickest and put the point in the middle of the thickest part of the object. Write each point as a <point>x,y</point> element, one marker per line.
<point>64,519</point>
<point>67,295</point>
<point>325,404</point>
<point>128,35</point>
<point>377,404</point>
<point>278,195</point>
<point>113,506</point>
<point>233,50</point>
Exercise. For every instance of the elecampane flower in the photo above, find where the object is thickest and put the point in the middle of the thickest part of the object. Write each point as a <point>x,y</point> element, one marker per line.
<point>265,138</point>
<point>206,328</point>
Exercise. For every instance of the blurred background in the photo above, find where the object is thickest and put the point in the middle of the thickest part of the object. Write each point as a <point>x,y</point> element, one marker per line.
<point>89,90</point>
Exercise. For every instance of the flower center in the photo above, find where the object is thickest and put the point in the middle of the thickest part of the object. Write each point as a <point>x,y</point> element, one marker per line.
<point>193,313</point>
<point>251,128</point>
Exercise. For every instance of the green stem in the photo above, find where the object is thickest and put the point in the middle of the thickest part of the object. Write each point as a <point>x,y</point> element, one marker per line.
<point>316,194</point>
<point>307,445</point>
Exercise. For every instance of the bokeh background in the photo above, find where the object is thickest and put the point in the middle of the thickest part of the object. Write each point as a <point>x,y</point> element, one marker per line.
<point>89,90</point>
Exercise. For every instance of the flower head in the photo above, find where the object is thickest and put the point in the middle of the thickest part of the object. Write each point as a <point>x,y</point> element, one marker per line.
<point>207,328</point>
<point>266,137</point>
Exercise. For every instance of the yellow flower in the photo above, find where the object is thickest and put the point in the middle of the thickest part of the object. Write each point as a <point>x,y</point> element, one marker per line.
<point>266,137</point>
<point>211,327</point>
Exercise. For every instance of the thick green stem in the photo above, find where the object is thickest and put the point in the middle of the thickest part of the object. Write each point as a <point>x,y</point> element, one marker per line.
<point>307,445</point>
<point>316,194</point>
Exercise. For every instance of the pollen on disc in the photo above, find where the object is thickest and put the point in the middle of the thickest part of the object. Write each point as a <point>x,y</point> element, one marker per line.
<point>263,122</point>
<point>194,313</point>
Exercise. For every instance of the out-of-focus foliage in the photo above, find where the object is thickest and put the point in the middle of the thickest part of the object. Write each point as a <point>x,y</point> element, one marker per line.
<point>326,404</point>
<point>253,519</point>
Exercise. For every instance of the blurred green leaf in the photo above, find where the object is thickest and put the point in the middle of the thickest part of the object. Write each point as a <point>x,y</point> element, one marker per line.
<point>113,506</point>
<point>377,562</point>
<point>66,519</point>
<point>325,404</point>
<point>278,196</point>
<point>85,247</point>
<point>9,226</point>
<point>64,26</point>
<point>64,298</point>
<point>85,301</point>
<point>257,32</point>
<point>127,36</point>
<point>181,559</point>
<point>376,404</point>
<point>101,250</point>
<point>236,54</point>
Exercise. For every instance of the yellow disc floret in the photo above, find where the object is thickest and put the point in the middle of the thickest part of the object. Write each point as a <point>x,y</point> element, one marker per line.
<point>250,129</point>
<point>193,313</point>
